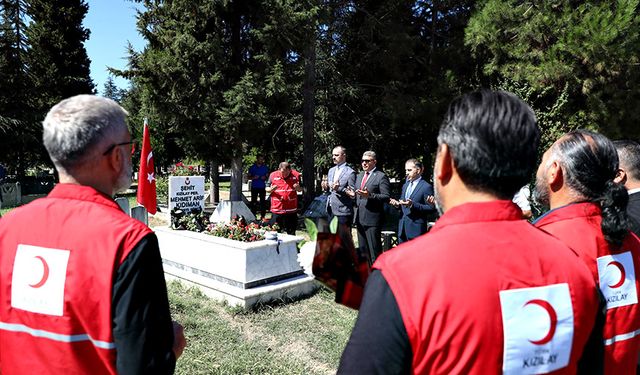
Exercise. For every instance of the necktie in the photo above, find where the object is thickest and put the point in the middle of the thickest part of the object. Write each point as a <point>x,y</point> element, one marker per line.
<point>407,193</point>
<point>336,174</point>
<point>364,180</point>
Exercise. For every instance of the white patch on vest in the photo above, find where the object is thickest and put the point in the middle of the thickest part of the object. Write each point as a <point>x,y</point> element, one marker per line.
<point>617,277</point>
<point>538,329</point>
<point>38,280</point>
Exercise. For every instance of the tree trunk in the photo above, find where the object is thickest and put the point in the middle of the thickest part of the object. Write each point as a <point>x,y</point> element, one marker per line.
<point>235,191</point>
<point>308,118</point>
<point>215,182</point>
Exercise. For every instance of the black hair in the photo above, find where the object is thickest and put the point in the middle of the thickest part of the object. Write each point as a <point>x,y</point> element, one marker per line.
<point>493,138</point>
<point>629,154</point>
<point>590,163</point>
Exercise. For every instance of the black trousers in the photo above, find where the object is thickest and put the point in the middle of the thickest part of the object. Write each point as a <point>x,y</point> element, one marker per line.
<point>255,194</point>
<point>369,240</point>
<point>286,222</point>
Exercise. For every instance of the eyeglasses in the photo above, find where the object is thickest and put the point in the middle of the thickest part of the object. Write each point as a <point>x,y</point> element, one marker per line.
<point>367,160</point>
<point>113,146</point>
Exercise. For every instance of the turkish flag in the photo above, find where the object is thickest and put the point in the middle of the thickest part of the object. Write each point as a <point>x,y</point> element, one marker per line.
<point>146,174</point>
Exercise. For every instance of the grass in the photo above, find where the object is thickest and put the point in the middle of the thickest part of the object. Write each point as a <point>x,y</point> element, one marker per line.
<point>3,211</point>
<point>303,337</point>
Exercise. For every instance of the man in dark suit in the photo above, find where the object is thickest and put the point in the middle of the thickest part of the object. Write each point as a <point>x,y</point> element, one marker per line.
<point>629,175</point>
<point>416,203</point>
<point>371,195</point>
<point>340,180</point>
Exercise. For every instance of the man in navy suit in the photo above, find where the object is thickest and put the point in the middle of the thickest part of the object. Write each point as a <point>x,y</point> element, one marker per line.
<point>416,202</point>
<point>629,176</point>
<point>372,193</point>
<point>340,180</point>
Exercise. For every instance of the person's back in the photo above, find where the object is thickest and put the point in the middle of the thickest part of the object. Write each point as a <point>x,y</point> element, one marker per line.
<point>75,228</point>
<point>82,289</point>
<point>484,266</point>
<point>579,226</point>
<point>588,213</point>
<point>483,292</point>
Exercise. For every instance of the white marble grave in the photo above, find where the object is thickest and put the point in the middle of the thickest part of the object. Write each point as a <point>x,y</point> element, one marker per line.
<point>242,273</point>
<point>226,210</point>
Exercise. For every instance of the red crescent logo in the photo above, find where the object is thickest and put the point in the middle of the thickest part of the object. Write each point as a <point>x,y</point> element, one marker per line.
<point>45,273</point>
<point>623,275</point>
<point>553,317</point>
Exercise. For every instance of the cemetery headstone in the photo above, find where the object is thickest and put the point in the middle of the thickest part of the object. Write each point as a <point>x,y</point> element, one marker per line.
<point>11,194</point>
<point>186,193</point>
<point>124,205</point>
<point>140,213</point>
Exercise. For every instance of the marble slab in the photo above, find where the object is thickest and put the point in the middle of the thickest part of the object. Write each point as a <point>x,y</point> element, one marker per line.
<point>242,273</point>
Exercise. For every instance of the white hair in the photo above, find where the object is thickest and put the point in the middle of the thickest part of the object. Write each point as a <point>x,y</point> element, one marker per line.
<point>73,128</point>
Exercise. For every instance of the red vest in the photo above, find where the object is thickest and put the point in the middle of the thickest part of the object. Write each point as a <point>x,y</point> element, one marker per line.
<point>58,259</point>
<point>485,292</point>
<point>615,270</point>
<point>284,198</point>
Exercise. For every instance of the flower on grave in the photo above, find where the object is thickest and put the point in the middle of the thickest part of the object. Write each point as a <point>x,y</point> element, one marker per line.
<point>239,230</point>
<point>180,169</point>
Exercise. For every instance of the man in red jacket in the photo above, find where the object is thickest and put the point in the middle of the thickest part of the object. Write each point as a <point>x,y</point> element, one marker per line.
<point>588,213</point>
<point>484,292</point>
<point>82,289</point>
<point>284,185</point>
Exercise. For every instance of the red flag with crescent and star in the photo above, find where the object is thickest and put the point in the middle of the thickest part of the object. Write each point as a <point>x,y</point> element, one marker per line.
<point>146,174</point>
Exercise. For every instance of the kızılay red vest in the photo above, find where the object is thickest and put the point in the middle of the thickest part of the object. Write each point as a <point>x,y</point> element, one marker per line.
<point>615,270</point>
<point>485,292</point>
<point>58,259</point>
<point>284,198</point>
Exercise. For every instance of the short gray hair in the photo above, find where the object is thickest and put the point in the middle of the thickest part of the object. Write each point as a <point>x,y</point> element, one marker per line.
<point>73,127</point>
<point>370,154</point>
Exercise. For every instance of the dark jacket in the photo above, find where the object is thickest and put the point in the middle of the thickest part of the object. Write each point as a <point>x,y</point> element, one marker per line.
<point>414,219</point>
<point>370,211</point>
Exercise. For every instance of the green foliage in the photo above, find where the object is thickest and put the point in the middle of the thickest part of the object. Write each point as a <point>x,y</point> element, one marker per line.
<point>579,60</point>
<point>111,91</point>
<point>42,60</point>
<point>333,225</point>
<point>240,230</point>
<point>162,189</point>
<point>181,169</point>
<point>312,229</point>
<point>196,221</point>
<point>237,229</point>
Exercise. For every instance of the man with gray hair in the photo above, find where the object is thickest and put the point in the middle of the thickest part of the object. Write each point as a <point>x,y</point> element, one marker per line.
<point>629,176</point>
<point>372,192</point>
<point>82,283</point>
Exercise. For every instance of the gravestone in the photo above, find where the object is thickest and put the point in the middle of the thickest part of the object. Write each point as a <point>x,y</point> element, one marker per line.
<point>186,193</point>
<point>124,205</point>
<point>226,210</point>
<point>140,213</point>
<point>11,194</point>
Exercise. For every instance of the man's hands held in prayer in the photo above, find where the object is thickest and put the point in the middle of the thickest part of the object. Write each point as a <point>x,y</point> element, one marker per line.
<point>398,203</point>
<point>364,193</point>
